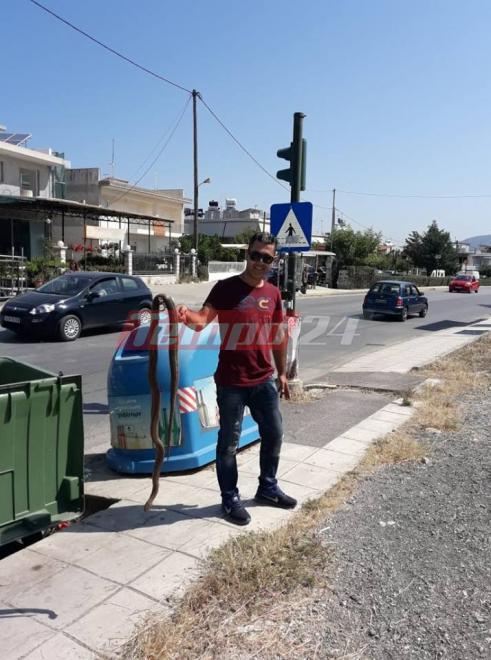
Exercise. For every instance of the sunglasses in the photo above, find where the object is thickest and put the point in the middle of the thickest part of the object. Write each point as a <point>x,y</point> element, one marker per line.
<point>261,256</point>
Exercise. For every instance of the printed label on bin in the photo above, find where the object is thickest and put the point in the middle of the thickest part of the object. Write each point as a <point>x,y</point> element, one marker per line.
<point>130,422</point>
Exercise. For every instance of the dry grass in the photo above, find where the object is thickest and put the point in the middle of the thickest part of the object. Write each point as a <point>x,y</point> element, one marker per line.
<point>242,606</point>
<point>397,447</point>
<point>466,370</point>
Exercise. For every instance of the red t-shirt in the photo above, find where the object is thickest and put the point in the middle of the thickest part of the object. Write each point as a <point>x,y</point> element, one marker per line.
<point>250,319</point>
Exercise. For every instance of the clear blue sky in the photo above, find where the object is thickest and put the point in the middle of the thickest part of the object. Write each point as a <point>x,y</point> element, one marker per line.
<point>397,98</point>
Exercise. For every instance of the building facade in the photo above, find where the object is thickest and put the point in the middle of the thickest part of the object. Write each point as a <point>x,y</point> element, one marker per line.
<point>229,222</point>
<point>85,185</point>
<point>27,173</point>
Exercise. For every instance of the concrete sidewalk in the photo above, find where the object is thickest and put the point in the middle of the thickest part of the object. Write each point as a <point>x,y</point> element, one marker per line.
<point>78,593</point>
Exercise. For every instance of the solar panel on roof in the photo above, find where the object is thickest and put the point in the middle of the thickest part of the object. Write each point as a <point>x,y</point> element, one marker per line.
<point>14,138</point>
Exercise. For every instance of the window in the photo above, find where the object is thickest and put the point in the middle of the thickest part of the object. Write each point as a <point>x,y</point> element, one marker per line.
<point>391,289</point>
<point>27,180</point>
<point>106,287</point>
<point>414,291</point>
<point>129,284</point>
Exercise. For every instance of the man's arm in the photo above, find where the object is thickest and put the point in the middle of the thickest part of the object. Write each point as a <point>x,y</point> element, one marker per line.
<point>196,320</point>
<point>279,356</point>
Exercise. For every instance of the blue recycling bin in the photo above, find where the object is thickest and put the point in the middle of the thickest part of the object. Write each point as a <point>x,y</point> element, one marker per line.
<point>195,424</point>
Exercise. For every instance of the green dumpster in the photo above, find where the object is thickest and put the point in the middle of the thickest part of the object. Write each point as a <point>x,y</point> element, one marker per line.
<point>41,449</point>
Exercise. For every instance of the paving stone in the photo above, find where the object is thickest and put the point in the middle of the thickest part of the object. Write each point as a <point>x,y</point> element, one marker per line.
<point>23,570</point>
<point>374,425</point>
<point>312,476</point>
<point>345,445</point>
<point>171,529</point>
<point>363,435</point>
<point>333,460</point>
<point>169,577</point>
<point>106,627</point>
<point>73,543</point>
<point>69,593</point>
<point>122,516</point>
<point>63,647</point>
<point>208,538</point>
<point>123,558</point>
<point>120,488</point>
<point>293,452</point>
<point>20,633</point>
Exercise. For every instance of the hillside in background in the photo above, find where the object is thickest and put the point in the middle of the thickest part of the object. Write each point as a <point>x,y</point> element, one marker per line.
<point>476,241</point>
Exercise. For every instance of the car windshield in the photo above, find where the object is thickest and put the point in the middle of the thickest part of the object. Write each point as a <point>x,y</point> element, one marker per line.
<point>65,285</point>
<point>467,278</point>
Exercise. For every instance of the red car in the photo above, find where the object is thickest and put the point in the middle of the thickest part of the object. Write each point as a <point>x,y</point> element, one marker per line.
<point>466,283</point>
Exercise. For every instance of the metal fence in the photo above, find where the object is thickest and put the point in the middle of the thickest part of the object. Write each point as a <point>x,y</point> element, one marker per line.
<point>13,276</point>
<point>153,263</point>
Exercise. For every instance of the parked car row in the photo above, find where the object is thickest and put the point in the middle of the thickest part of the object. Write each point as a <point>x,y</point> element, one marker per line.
<point>78,301</point>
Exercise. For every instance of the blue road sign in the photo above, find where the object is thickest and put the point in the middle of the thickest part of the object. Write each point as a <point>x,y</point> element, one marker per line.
<point>292,226</point>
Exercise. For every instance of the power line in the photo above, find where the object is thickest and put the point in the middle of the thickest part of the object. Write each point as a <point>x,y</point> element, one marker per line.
<point>162,137</point>
<point>161,151</point>
<point>390,195</point>
<point>111,50</point>
<point>162,78</point>
<point>240,145</point>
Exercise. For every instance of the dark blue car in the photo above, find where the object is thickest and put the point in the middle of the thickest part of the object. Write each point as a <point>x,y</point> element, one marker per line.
<point>393,298</point>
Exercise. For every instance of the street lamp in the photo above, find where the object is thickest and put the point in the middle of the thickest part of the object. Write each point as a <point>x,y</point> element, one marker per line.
<point>195,226</point>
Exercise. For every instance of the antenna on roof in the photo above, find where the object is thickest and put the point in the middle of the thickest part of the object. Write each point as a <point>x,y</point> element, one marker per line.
<point>112,162</point>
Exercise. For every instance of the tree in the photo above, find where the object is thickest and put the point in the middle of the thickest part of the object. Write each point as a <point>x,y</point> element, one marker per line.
<point>431,250</point>
<point>209,248</point>
<point>353,248</point>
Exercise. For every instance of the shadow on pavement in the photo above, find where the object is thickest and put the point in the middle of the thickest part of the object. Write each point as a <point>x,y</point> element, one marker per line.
<point>17,612</point>
<point>96,409</point>
<point>445,325</point>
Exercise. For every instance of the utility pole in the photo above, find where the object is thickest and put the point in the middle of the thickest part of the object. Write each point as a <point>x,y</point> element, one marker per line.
<point>296,153</point>
<point>195,95</point>
<point>333,217</point>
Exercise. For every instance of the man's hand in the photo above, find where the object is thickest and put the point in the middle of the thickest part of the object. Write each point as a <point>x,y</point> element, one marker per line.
<point>283,387</point>
<point>182,312</point>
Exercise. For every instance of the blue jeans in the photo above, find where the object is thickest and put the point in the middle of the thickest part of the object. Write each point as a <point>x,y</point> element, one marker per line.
<point>263,402</point>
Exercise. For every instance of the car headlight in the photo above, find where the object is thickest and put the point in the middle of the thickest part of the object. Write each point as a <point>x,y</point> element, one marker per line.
<point>42,309</point>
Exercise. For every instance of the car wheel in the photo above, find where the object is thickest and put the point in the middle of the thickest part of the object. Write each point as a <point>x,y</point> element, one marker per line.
<point>69,328</point>
<point>367,316</point>
<point>450,290</point>
<point>476,290</point>
<point>423,312</point>
<point>144,316</point>
<point>403,316</point>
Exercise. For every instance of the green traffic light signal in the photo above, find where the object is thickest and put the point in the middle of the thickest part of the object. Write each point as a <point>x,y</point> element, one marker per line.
<point>286,153</point>
<point>296,153</point>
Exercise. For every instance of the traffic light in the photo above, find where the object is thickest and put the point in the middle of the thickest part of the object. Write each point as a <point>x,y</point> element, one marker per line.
<point>298,163</point>
<point>296,153</point>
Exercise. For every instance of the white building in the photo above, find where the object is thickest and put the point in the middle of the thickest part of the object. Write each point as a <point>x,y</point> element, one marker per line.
<point>229,222</point>
<point>27,173</point>
<point>474,258</point>
<point>85,185</point>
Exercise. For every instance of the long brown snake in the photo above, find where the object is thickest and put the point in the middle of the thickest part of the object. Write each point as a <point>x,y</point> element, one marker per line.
<point>157,302</point>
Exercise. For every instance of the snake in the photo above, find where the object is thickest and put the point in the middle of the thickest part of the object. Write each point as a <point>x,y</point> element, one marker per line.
<point>159,301</point>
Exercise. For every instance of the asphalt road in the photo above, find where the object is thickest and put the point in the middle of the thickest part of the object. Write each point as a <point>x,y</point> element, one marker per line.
<point>333,332</point>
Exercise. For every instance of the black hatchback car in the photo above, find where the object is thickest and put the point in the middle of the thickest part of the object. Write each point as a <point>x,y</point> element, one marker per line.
<point>77,301</point>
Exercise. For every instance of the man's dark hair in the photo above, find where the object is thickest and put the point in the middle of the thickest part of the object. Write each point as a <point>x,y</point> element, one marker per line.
<point>262,237</point>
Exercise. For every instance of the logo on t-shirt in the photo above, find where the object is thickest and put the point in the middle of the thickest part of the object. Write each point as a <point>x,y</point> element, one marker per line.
<point>251,302</point>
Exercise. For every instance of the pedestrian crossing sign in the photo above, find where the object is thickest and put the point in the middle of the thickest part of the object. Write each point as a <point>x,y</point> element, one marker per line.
<point>292,226</point>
